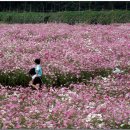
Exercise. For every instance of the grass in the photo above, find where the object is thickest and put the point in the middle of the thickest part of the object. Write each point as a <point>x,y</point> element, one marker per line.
<point>70,17</point>
<point>19,77</point>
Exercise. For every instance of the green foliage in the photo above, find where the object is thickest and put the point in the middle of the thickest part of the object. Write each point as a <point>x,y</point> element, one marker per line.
<point>70,17</point>
<point>125,126</point>
<point>13,17</point>
<point>49,6</point>
<point>1,124</point>
<point>19,77</point>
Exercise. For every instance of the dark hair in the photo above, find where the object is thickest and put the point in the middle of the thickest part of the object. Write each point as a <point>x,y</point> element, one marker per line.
<point>32,71</point>
<point>37,61</point>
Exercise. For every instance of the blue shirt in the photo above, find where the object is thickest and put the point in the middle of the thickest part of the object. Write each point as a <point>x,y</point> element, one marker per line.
<point>38,70</point>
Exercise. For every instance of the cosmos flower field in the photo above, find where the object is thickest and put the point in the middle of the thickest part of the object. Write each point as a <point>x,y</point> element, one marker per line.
<point>102,102</point>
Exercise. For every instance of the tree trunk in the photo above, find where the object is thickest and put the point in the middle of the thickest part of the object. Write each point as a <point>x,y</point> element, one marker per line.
<point>79,5</point>
<point>126,5</point>
<point>89,5</point>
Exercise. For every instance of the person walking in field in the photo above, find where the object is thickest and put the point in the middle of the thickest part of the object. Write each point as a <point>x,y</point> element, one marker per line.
<point>38,68</point>
<point>36,81</point>
<point>36,74</point>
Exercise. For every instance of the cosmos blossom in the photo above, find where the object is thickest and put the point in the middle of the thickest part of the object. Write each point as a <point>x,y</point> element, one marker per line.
<point>103,103</point>
<point>64,47</point>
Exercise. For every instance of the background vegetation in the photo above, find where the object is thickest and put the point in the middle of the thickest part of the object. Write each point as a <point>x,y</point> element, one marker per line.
<point>71,12</point>
<point>55,6</point>
<point>70,17</point>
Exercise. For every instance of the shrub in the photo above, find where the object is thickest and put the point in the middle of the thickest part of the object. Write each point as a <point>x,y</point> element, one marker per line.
<point>19,77</point>
<point>70,17</point>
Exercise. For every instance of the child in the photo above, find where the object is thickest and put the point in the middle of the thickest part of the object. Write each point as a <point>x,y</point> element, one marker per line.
<point>36,81</point>
<point>38,68</point>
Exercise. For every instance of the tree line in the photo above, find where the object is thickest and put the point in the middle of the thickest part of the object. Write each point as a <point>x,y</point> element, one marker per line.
<point>55,6</point>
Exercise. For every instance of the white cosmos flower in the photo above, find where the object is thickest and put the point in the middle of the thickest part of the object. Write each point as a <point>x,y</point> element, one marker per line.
<point>92,116</point>
<point>3,111</point>
<point>91,105</point>
<point>101,125</point>
<point>117,71</point>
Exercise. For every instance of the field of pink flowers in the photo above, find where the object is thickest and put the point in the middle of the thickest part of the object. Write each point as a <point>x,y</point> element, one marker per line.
<point>104,102</point>
<point>64,47</point>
